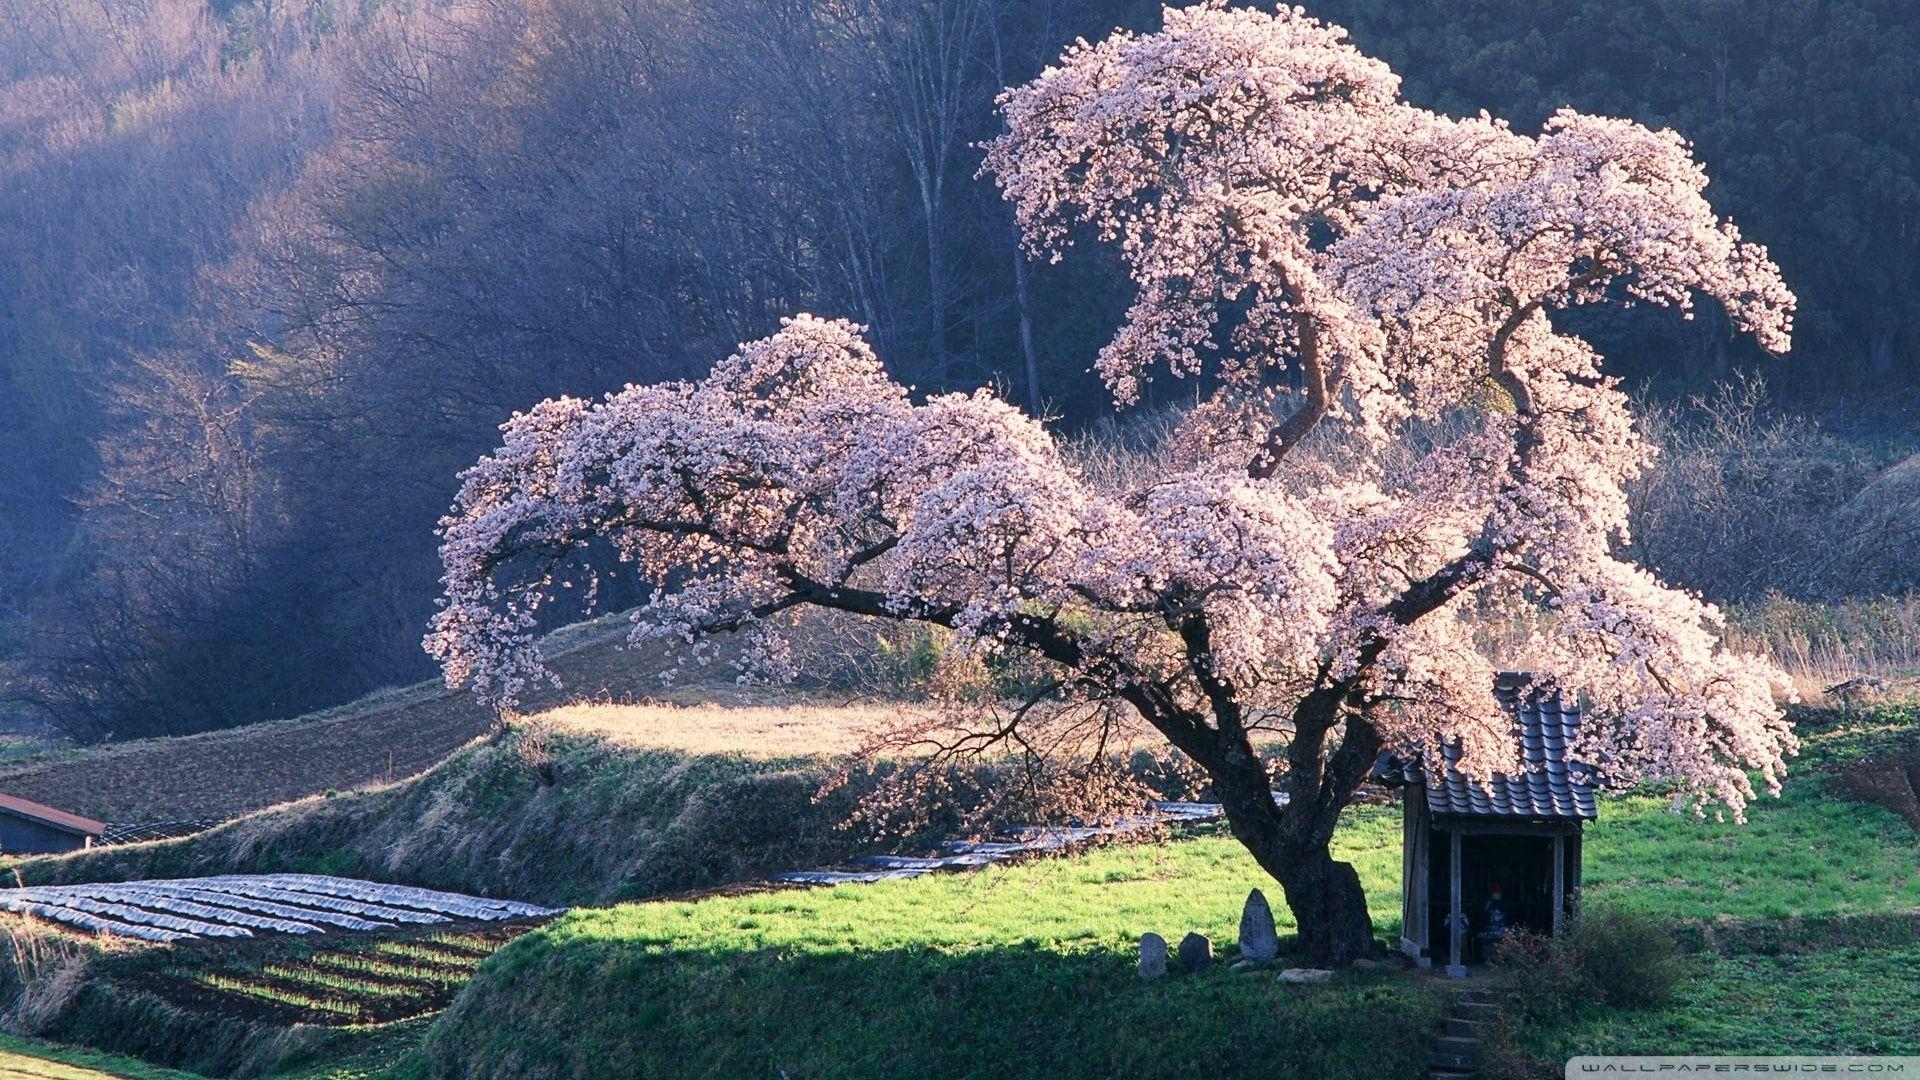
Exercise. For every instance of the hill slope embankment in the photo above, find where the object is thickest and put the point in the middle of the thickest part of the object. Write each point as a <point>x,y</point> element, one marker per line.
<point>377,740</point>
<point>550,813</point>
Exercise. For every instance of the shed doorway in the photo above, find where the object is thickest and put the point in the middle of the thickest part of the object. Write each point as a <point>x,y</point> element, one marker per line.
<point>1521,867</point>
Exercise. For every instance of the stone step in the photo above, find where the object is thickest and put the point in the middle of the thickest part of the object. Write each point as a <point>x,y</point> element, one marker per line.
<point>1456,1052</point>
<point>1471,1011</point>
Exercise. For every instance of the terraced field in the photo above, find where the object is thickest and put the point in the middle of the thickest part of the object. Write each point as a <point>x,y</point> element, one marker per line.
<point>383,738</point>
<point>366,980</point>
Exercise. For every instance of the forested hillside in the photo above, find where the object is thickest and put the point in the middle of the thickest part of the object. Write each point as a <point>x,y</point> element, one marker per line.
<point>273,271</point>
<point>1800,107</point>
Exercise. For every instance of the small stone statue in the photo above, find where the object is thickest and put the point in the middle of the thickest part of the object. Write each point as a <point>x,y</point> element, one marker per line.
<point>1153,956</point>
<point>1259,941</point>
<point>1196,952</point>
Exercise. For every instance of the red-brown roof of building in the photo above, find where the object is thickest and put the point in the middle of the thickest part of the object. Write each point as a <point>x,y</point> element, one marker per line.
<point>47,815</point>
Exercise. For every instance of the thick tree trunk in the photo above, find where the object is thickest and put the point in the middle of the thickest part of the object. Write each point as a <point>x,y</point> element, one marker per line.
<point>1328,904</point>
<point>1035,403</point>
<point>1293,843</point>
<point>1330,908</point>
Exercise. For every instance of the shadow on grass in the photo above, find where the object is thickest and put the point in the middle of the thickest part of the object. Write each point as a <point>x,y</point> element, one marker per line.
<point>582,1007</point>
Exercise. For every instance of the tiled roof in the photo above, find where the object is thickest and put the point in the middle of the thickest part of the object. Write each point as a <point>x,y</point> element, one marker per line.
<point>1551,787</point>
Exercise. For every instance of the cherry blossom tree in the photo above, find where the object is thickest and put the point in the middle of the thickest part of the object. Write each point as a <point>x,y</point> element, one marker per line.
<point>1343,267</point>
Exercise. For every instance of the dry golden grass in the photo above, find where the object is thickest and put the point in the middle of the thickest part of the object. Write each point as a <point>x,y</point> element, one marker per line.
<point>1852,644</point>
<point>794,729</point>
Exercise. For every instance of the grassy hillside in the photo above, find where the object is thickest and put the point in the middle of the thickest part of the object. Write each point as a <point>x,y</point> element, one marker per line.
<point>1029,967</point>
<point>1017,970</point>
<point>1023,970</point>
<point>630,811</point>
<point>31,1059</point>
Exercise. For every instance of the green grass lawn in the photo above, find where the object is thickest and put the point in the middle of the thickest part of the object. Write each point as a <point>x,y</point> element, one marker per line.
<point>1802,866</point>
<point>1799,855</point>
<point>1015,970</point>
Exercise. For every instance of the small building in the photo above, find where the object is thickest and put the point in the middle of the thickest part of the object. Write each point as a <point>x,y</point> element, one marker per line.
<point>28,828</point>
<point>1518,837</point>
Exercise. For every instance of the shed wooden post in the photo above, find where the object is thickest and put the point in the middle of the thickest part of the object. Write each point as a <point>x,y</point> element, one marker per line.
<point>1413,878</point>
<point>1408,861</point>
<point>1573,886</point>
<point>1559,880</point>
<point>1456,918</point>
<point>1423,851</point>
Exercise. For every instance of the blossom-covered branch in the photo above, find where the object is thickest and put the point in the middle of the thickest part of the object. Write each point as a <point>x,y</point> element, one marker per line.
<point>1344,265</point>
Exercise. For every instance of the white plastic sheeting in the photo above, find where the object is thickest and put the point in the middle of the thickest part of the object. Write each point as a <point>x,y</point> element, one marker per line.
<point>238,905</point>
<point>1021,840</point>
<point>313,916</point>
<point>77,918</point>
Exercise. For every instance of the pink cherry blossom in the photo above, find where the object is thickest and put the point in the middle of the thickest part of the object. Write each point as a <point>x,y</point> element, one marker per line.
<point>1349,269</point>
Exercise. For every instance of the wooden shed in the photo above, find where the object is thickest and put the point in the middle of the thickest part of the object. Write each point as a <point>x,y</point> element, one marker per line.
<point>28,828</point>
<point>1518,837</point>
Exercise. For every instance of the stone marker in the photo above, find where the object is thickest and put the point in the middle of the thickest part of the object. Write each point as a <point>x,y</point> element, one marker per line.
<point>1153,956</point>
<point>1305,975</point>
<point>1196,952</point>
<point>1258,938</point>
